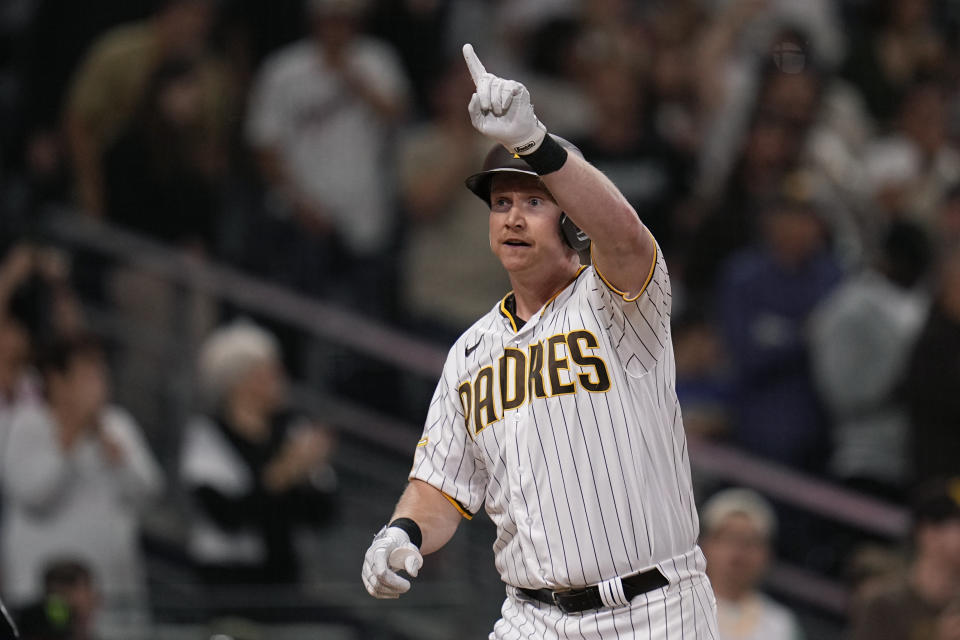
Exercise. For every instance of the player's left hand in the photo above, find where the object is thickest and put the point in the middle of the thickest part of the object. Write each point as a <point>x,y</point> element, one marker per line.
<point>390,552</point>
<point>501,109</point>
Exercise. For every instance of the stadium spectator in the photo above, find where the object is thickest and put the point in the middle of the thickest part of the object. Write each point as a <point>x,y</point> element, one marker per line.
<point>932,380</point>
<point>161,173</point>
<point>77,475</point>
<point>36,290</point>
<point>418,32</point>
<point>889,174</point>
<point>946,231</point>
<point>764,298</point>
<point>163,176</point>
<point>736,53</point>
<point>36,305</point>
<point>861,337</point>
<point>109,84</point>
<point>728,217</point>
<point>68,608</point>
<point>17,385</point>
<point>737,528</point>
<point>15,338</point>
<point>871,568</point>
<point>910,608</point>
<point>446,247</point>
<point>622,141</point>
<point>614,30</point>
<point>702,385</point>
<point>553,65</point>
<point>45,73</point>
<point>893,43</point>
<point>322,115</point>
<point>948,623</point>
<point>673,72</point>
<point>920,149</point>
<point>255,471</point>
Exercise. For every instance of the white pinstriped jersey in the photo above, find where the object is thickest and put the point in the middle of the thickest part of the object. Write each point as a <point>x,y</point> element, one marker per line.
<point>569,432</point>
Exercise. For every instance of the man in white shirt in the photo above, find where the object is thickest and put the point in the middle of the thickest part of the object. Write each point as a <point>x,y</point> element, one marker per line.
<point>322,115</point>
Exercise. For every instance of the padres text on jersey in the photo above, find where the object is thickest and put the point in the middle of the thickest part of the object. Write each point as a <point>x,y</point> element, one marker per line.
<point>558,365</point>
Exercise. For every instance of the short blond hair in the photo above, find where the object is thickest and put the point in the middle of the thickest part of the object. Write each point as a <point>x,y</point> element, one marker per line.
<point>739,501</point>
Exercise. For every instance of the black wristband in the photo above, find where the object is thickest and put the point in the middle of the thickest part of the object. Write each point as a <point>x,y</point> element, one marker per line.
<point>548,157</point>
<point>412,529</point>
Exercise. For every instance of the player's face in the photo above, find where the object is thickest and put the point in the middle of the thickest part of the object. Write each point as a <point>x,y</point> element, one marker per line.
<point>524,224</point>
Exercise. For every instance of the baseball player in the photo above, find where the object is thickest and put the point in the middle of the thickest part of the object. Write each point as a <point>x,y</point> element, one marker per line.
<point>556,411</point>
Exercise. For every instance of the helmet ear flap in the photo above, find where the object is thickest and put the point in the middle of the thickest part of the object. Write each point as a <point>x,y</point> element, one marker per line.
<point>572,234</point>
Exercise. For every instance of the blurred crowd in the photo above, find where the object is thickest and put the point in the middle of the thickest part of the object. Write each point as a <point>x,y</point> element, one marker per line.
<point>77,474</point>
<point>798,163</point>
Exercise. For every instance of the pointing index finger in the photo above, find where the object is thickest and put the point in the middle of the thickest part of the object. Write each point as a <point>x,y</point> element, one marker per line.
<point>476,68</point>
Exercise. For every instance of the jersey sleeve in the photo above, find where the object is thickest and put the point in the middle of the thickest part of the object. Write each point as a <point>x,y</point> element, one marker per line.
<point>446,456</point>
<point>638,327</point>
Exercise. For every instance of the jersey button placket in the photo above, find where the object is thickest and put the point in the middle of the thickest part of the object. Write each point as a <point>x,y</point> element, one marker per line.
<point>515,473</point>
<point>520,489</point>
<point>533,538</point>
<point>524,502</point>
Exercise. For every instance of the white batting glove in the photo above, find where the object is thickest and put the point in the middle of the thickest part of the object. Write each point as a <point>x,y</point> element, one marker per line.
<point>500,109</point>
<point>390,552</point>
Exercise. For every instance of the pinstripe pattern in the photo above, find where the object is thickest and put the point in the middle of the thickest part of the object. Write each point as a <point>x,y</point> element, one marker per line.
<point>583,486</point>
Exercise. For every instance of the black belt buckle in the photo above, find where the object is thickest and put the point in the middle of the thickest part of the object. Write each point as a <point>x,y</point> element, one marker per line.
<point>578,600</point>
<point>560,602</point>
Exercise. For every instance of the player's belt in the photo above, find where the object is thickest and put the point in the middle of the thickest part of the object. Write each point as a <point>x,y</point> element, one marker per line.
<point>616,592</point>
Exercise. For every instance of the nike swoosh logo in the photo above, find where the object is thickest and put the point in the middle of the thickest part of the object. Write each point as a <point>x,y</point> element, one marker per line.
<point>468,350</point>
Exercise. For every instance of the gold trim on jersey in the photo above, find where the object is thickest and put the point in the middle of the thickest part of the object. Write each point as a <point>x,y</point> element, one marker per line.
<point>506,312</point>
<point>423,442</point>
<point>646,283</point>
<point>463,510</point>
<point>465,391</point>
